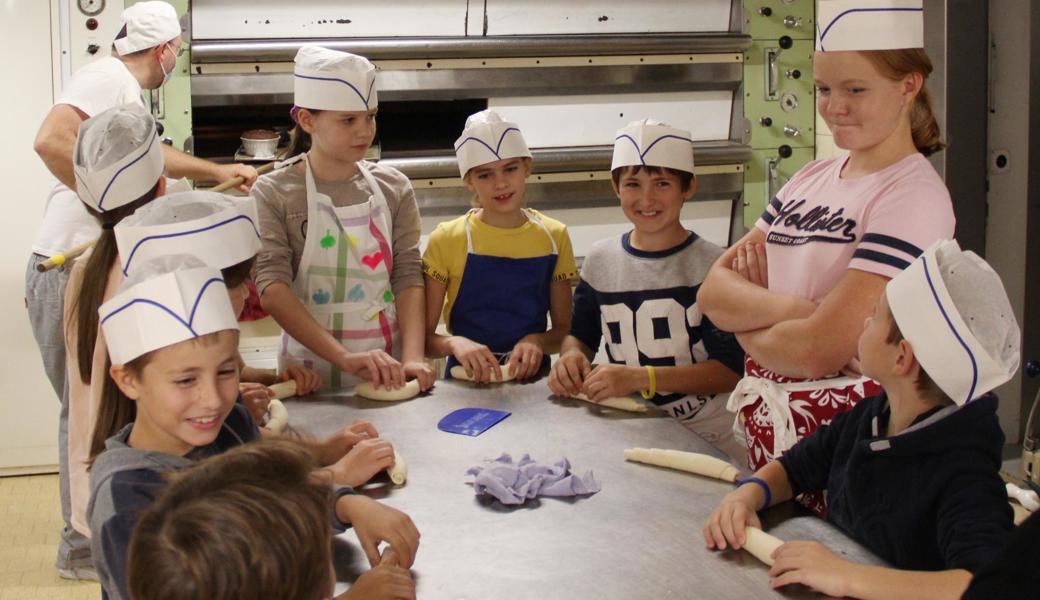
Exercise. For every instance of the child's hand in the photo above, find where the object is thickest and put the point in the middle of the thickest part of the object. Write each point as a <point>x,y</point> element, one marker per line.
<point>374,522</point>
<point>751,264</point>
<point>728,522</point>
<point>418,369</point>
<point>307,380</point>
<point>568,373</point>
<point>478,360</point>
<point>256,397</point>
<point>608,381</point>
<point>812,564</point>
<point>338,444</point>
<point>362,462</point>
<point>376,366</point>
<point>385,582</point>
<point>526,357</point>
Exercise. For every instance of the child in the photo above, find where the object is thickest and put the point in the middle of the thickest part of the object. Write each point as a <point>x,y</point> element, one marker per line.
<point>910,473</point>
<point>118,167</point>
<point>250,524</point>
<point>638,291</point>
<point>500,268</point>
<point>222,231</point>
<point>173,342</point>
<point>339,265</point>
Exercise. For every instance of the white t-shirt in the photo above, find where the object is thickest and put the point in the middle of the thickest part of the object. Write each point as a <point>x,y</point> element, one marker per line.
<point>101,85</point>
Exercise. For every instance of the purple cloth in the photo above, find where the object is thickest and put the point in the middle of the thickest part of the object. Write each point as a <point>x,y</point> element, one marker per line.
<point>515,483</point>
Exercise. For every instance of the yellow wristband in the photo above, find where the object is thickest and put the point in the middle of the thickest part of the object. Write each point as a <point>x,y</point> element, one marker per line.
<point>652,391</point>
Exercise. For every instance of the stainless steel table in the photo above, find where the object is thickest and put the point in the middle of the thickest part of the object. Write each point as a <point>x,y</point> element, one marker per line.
<point>640,537</point>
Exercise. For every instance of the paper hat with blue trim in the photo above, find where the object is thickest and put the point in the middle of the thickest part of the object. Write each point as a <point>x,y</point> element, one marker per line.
<point>220,230</point>
<point>117,157</point>
<point>653,144</point>
<point>869,25</point>
<point>326,79</point>
<point>486,139</point>
<point>166,301</point>
<point>148,24</point>
<point>952,308</point>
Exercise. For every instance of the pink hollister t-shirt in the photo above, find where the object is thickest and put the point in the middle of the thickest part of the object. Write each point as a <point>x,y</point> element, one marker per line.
<point>819,225</point>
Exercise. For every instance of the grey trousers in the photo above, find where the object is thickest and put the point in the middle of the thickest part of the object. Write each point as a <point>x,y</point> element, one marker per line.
<point>45,300</point>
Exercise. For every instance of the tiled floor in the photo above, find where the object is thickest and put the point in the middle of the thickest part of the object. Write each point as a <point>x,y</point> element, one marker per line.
<point>30,520</point>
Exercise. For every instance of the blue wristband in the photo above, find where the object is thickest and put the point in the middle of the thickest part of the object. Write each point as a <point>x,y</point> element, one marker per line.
<point>765,488</point>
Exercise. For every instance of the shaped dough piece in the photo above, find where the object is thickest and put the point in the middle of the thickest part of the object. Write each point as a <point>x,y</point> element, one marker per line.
<point>618,402</point>
<point>284,389</point>
<point>692,462</point>
<point>410,390</point>
<point>398,472</point>
<point>459,372</point>
<point>277,416</point>
<point>760,544</point>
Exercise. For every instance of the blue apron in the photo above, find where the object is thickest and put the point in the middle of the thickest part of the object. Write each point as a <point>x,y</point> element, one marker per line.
<point>501,299</point>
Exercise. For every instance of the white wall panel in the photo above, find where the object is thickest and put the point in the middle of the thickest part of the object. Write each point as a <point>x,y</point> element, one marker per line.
<point>528,17</point>
<point>557,121</point>
<point>270,19</point>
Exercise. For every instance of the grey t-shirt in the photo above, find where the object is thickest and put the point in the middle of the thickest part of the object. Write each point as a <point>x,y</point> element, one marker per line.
<point>281,199</point>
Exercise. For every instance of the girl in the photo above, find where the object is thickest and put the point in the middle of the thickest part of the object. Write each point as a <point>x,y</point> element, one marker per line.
<point>118,166</point>
<point>797,288</point>
<point>173,343</point>
<point>339,265</point>
<point>498,269</point>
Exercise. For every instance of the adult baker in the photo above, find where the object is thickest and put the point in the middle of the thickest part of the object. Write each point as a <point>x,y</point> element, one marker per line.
<point>144,55</point>
<point>797,288</point>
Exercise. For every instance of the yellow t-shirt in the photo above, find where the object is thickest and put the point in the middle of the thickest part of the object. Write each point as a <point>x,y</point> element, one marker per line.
<point>445,256</point>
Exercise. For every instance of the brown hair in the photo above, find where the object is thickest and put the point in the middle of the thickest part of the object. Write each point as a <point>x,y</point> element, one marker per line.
<point>299,140</point>
<point>685,177</point>
<point>115,411</point>
<point>924,383</point>
<point>897,64</point>
<point>251,523</point>
<point>236,274</point>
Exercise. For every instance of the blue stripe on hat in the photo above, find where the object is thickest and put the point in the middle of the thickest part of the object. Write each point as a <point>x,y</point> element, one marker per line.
<point>823,33</point>
<point>974,364</point>
<point>130,258</point>
<point>191,316</point>
<point>148,149</point>
<point>364,99</point>
<point>642,154</point>
<point>494,150</point>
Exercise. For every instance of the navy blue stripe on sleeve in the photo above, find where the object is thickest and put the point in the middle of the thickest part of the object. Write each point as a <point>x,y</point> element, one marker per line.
<point>892,242</point>
<point>882,258</point>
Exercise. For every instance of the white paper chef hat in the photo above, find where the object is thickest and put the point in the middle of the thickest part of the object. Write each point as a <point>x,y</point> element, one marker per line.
<point>326,79</point>
<point>952,308</point>
<point>148,24</point>
<point>653,144</point>
<point>869,25</point>
<point>218,229</point>
<point>117,157</point>
<point>487,138</point>
<point>168,300</point>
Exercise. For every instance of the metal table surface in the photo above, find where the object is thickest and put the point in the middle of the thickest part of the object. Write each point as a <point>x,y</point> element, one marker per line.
<point>640,537</point>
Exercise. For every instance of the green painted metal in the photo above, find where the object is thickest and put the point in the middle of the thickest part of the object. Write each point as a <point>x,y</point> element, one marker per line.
<point>174,97</point>
<point>756,180</point>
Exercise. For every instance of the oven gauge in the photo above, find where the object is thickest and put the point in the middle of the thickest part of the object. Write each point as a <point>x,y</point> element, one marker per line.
<point>91,7</point>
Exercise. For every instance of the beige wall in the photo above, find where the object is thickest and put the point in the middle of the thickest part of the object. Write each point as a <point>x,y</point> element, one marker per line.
<point>28,406</point>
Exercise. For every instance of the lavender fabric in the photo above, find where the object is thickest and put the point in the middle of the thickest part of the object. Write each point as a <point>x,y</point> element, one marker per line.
<point>515,483</point>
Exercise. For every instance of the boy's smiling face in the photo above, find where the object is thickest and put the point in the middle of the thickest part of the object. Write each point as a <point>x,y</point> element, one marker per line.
<point>652,200</point>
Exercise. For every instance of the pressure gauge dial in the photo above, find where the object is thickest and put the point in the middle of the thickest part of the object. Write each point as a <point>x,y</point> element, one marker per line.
<point>91,7</point>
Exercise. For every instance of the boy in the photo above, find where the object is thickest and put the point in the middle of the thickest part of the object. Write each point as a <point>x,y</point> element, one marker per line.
<point>252,523</point>
<point>911,473</point>
<point>639,292</point>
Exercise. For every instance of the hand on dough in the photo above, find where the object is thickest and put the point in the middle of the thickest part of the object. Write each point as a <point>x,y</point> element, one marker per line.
<point>811,564</point>
<point>477,359</point>
<point>526,357</point>
<point>567,375</point>
<point>362,462</point>
<point>418,369</point>
<point>256,397</point>
<point>727,523</point>
<point>307,380</point>
<point>606,381</point>
<point>338,444</point>
<point>376,366</point>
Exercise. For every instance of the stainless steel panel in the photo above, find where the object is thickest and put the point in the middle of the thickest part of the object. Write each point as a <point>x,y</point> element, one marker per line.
<point>207,51</point>
<point>640,537</point>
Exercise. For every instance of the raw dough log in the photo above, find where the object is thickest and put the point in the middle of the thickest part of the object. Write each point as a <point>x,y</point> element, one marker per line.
<point>459,372</point>
<point>701,464</point>
<point>277,416</point>
<point>410,390</point>
<point>284,389</point>
<point>760,544</point>
<point>618,402</point>
<point>398,472</point>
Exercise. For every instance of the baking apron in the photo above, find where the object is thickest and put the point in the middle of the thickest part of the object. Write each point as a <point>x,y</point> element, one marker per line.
<point>774,412</point>
<point>501,299</point>
<point>344,279</point>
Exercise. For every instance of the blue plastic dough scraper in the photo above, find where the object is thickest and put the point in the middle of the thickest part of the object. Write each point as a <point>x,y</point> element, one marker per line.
<point>471,421</point>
